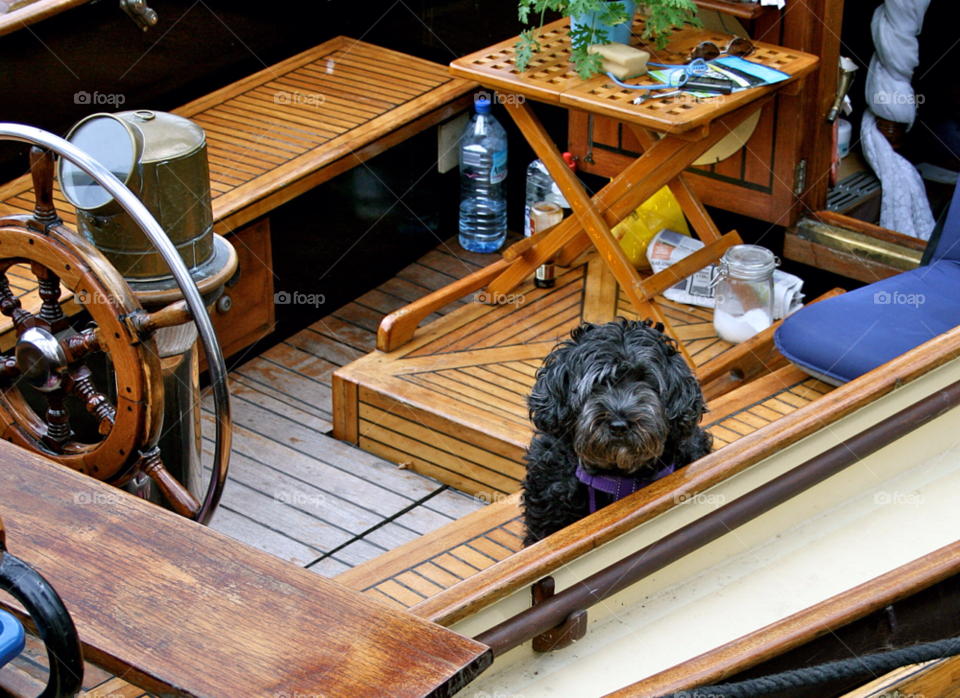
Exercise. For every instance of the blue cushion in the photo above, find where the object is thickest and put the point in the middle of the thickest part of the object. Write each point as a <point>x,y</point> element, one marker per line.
<point>12,639</point>
<point>844,337</point>
<point>948,247</point>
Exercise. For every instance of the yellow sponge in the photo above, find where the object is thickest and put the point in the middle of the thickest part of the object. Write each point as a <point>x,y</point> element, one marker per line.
<point>622,61</point>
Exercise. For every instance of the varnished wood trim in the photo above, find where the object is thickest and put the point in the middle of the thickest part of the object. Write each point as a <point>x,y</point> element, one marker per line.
<point>35,12</point>
<point>346,420</point>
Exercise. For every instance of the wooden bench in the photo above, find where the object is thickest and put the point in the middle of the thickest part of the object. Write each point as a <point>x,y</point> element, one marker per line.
<point>275,135</point>
<point>179,609</point>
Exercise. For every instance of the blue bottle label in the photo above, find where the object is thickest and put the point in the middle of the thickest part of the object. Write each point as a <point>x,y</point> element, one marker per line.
<point>498,172</point>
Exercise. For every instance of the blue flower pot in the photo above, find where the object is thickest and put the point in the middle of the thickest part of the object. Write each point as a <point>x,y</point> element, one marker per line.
<point>619,34</point>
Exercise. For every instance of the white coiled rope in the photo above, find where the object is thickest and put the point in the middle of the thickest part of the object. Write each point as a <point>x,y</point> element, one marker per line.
<point>896,25</point>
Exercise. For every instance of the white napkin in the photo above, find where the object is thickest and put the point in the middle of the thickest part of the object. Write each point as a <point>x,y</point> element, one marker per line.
<point>786,294</point>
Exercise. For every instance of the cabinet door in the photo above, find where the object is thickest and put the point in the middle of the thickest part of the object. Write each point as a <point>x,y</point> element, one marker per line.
<point>781,172</point>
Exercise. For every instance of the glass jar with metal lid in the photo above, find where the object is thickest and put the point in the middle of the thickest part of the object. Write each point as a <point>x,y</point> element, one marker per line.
<point>744,301</point>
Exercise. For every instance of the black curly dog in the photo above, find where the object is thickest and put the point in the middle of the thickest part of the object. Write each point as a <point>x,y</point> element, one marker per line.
<point>616,400</point>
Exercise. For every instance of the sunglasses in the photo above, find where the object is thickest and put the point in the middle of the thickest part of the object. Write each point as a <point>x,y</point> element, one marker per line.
<point>709,50</point>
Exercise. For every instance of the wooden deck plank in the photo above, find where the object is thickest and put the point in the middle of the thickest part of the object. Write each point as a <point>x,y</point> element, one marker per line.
<point>245,393</point>
<point>434,547</point>
<point>287,382</point>
<point>257,535</point>
<point>361,340</point>
<point>341,498</point>
<point>306,364</point>
<point>279,396</point>
<point>287,523</point>
<point>324,347</point>
<point>328,452</point>
<point>359,315</point>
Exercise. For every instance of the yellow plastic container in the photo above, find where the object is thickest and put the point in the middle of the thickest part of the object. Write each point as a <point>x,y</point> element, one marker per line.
<point>662,210</point>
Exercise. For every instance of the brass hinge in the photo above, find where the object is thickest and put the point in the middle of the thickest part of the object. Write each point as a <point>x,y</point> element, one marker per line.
<point>800,178</point>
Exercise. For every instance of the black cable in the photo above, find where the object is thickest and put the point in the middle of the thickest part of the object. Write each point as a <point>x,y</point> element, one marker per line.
<point>869,667</point>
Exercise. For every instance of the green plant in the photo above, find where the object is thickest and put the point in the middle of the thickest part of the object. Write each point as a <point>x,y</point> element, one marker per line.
<point>663,16</point>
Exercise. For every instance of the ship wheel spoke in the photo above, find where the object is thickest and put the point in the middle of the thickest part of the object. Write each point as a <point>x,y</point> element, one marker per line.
<point>41,167</point>
<point>10,306</point>
<point>8,370</point>
<point>50,311</point>
<point>96,402</point>
<point>79,345</point>
<point>58,420</point>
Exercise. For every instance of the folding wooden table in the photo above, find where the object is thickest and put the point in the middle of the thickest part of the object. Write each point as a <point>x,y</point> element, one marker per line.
<point>687,128</point>
<point>450,401</point>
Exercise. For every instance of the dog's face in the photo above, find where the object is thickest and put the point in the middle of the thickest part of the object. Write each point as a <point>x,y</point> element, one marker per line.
<point>623,394</point>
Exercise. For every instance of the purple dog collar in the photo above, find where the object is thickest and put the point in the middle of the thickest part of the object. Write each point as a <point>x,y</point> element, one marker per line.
<point>617,485</point>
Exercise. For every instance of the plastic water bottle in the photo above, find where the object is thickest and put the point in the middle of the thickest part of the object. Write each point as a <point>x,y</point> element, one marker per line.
<point>541,187</point>
<point>483,174</point>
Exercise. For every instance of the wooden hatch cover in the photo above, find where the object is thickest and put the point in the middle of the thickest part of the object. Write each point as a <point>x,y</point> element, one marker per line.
<point>182,610</point>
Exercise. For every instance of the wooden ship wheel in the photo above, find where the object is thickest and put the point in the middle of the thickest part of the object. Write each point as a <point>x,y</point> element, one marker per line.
<point>52,359</point>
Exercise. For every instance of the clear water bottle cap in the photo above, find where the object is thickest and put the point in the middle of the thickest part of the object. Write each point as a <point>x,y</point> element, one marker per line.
<point>483,105</point>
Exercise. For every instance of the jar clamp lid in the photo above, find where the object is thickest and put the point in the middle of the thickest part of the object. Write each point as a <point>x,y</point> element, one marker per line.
<point>748,263</point>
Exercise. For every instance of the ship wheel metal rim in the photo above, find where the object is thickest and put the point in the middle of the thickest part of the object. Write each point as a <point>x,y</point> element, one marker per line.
<point>150,227</point>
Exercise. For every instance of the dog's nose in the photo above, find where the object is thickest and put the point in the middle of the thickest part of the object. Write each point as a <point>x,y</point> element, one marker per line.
<point>617,425</point>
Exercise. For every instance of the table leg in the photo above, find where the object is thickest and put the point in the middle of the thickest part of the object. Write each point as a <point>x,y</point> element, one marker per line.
<point>668,171</point>
<point>640,180</point>
<point>588,215</point>
<point>689,202</point>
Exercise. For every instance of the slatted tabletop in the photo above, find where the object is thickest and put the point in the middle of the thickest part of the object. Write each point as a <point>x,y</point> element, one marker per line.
<point>550,77</point>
